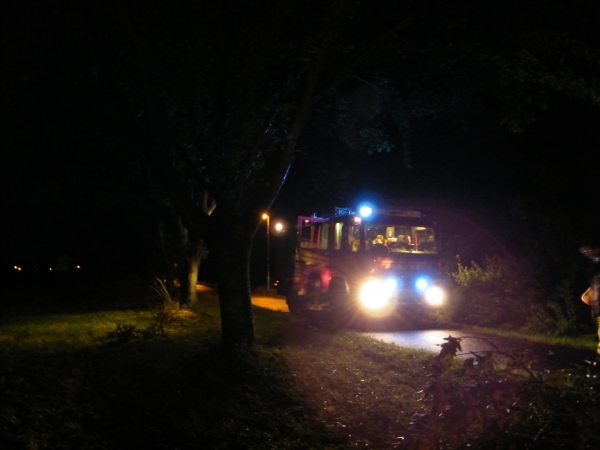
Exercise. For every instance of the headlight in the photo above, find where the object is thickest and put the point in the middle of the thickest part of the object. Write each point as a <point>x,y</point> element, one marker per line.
<point>376,293</point>
<point>435,296</point>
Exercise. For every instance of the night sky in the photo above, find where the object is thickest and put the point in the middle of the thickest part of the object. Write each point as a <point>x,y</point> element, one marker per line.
<point>476,175</point>
<point>65,193</point>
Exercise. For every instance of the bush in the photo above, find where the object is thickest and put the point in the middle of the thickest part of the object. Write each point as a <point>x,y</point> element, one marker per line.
<point>165,312</point>
<point>486,405</point>
<point>128,332</point>
<point>501,293</point>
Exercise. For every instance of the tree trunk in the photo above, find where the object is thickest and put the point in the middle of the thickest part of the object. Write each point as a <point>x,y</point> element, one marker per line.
<point>197,252</point>
<point>193,277</point>
<point>232,255</point>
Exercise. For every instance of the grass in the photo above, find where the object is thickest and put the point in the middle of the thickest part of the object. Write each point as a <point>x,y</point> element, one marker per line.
<point>103,376</point>
<point>587,341</point>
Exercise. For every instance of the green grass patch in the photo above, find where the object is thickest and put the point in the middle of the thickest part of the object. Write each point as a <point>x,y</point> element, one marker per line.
<point>587,341</point>
<point>155,378</point>
<point>75,330</point>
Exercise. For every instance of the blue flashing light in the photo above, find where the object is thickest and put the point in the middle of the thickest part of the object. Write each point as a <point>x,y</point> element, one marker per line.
<point>365,211</point>
<point>422,284</point>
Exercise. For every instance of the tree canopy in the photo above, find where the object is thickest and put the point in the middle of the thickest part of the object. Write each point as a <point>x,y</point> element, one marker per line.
<point>210,100</point>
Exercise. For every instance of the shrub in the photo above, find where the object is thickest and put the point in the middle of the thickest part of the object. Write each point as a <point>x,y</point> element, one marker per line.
<point>502,292</point>
<point>159,294</point>
<point>127,332</point>
<point>482,404</point>
<point>165,312</point>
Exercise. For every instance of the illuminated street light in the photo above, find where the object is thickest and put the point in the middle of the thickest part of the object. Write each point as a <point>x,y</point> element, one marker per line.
<point>268,219</point>
<point>278,227</point>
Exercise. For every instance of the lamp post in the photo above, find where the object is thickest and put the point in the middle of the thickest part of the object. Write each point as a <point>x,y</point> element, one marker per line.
<point>267,218</point>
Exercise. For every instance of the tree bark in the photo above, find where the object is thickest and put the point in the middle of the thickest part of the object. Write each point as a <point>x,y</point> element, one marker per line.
<point>192,252</point>
<point>232,256</point>
<point>193,277</point>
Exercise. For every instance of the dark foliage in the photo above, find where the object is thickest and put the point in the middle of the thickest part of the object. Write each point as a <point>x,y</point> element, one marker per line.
<point>482,404</point>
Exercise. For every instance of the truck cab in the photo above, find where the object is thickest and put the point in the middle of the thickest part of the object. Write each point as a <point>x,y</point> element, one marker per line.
<point>379,262</point>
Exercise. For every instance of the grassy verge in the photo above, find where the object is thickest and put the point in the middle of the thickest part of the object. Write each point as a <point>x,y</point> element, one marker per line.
<point>587,341</point>
<point>112,379</point>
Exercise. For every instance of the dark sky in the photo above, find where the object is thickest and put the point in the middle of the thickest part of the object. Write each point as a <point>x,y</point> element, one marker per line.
<point>555,159</point>
<point>64,192</point>
<point>473,177</point>
<point>61,201</point>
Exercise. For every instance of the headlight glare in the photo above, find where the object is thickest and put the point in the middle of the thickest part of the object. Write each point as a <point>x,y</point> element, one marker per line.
<point>435,296</point>
<point>376,293</point>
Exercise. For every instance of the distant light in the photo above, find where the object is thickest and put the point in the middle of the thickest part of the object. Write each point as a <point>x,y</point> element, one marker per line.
<point>50,268</point>
<point>278,226</point>
<point>365,211</point>
<point>78,267</point>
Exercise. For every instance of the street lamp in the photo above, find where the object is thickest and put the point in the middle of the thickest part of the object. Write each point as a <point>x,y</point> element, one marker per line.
<point>279,227</point>
<point>266,216</point>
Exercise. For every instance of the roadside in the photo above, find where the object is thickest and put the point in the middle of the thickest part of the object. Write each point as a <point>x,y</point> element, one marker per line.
<point>261,300</point>
<point>111,378</point>
<point>273,303</point>
<point>550,355</point>
<point>541,356</point>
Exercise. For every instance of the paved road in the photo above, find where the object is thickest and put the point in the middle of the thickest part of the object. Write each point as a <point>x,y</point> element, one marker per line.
<point>274,303</point>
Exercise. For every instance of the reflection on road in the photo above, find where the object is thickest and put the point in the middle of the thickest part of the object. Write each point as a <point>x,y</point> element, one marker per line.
<point>420,339</point>
<point>546,355</point>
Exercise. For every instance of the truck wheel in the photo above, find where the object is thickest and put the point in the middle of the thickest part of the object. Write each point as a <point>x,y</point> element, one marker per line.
<point>338,291</point>
<point>338,285</point>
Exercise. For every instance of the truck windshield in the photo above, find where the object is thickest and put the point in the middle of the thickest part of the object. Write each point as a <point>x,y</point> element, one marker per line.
<point>400,238</point>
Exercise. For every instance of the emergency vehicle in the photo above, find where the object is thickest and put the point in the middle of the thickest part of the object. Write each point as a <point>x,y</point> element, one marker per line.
<point>379,262</point>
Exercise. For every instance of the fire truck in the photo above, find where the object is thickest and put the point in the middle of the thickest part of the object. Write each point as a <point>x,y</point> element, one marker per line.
<point>377,262</point>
